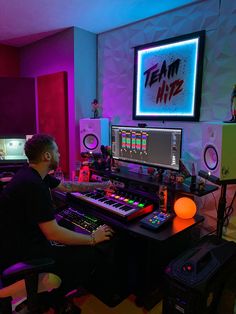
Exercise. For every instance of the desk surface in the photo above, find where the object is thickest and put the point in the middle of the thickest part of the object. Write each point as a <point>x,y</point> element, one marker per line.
<point>172,228</point>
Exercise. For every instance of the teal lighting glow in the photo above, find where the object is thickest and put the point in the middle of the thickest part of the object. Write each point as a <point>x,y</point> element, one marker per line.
<point>168,79</point>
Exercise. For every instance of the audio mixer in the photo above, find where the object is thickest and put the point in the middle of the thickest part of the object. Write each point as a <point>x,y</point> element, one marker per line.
<point>124,205</point>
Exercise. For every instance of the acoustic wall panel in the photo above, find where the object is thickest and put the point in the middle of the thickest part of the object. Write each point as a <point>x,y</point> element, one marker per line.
<point>17,106</point>
<point>9,61</point>
<point>53,112</point>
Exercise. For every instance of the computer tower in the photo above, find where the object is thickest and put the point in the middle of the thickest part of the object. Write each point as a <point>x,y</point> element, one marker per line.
<point>195,281</point>
<point>110,280</point>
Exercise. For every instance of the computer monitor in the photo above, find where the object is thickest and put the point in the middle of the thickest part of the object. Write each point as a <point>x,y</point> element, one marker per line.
<point>12,149</point>
<point>149,146</point>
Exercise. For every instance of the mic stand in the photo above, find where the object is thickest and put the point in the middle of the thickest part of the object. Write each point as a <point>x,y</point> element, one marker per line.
<point>222,200</point>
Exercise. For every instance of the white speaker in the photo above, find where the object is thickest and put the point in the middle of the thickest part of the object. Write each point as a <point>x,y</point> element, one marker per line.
<point>219,149</point>
<point>93,134</point>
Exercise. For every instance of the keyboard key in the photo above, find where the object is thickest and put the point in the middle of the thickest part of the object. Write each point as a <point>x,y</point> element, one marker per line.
<point>79,219</point>
<point>126,208</point>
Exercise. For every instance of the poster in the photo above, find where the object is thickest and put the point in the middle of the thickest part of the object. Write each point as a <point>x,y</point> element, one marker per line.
<point>168,77</point>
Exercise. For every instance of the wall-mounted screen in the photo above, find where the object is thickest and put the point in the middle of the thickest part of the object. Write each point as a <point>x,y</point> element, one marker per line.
<point>12,149</point>
<point>156,147</point>
<point>168,78</point>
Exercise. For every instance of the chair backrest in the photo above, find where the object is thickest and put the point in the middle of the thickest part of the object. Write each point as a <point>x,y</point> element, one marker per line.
<point>32,283</point>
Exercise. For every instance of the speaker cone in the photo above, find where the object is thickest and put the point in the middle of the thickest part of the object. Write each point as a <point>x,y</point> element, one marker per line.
<point>91,141</point>
<point>211,157</point>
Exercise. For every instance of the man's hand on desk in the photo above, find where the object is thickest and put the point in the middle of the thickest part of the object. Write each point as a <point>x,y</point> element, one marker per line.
<point>103,233</point>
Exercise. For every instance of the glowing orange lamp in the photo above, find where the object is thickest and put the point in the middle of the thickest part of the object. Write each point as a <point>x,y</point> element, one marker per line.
<point>185,207</point>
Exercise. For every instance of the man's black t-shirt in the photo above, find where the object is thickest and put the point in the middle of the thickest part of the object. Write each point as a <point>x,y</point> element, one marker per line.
<point>24,203</point>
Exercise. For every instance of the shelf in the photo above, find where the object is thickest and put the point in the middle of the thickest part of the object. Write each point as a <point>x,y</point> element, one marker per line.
<point>208,188</point>
<point>152,186</point>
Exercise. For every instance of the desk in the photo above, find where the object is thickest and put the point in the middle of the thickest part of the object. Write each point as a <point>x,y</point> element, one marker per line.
<point>147,251</point>
<point>4,181</point>
<point>7,171</point>
<point>173,228</point>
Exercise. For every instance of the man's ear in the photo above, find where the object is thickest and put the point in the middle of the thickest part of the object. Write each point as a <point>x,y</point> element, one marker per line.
<point>47,156</point>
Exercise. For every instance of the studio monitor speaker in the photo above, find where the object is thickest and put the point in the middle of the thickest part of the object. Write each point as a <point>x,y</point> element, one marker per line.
<point>219,149</point>
<point>93,134</point>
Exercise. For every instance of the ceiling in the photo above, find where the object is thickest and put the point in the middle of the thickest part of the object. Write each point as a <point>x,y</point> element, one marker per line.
<point>25,21</point>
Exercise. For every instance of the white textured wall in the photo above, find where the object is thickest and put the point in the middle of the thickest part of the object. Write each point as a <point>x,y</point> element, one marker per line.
<point>115,65</point>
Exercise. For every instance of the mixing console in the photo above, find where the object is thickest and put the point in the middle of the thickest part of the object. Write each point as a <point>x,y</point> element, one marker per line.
<point>125,205</point>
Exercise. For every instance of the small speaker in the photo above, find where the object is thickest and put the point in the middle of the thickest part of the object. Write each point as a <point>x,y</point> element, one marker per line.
<point>93,134</point>
<point>219,150</point>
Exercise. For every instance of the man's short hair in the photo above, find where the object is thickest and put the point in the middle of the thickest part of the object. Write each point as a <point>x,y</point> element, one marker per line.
<point>37,145</point>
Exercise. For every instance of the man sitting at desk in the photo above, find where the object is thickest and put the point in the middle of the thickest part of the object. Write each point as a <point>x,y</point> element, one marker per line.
<point>28,227</point>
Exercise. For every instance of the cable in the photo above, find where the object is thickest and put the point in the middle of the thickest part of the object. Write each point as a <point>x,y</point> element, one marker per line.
<point>228,211</point>
<point>214,200</point>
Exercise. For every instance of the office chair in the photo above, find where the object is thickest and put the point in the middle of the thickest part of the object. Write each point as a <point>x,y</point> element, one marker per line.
<point>28,279</point>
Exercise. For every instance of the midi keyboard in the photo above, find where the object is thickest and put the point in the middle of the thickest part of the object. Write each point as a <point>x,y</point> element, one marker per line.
<point>124,205</point>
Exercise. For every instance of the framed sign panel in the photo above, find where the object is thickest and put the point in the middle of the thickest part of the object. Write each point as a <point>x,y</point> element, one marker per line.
<point>168,78</point>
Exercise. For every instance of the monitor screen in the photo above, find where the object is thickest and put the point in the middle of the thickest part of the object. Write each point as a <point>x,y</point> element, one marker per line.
<point>156,147</point>
<point>12,149</point>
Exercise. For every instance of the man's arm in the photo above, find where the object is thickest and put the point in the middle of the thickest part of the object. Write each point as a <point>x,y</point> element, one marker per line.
<point>54,232</point>
<point>69,186</point>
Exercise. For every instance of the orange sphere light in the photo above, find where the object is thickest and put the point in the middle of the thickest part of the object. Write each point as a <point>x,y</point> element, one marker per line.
<point>185,207</point>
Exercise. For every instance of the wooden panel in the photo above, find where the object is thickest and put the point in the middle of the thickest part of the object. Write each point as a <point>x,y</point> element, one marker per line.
<point>17,106</point>
<point>53,112</point>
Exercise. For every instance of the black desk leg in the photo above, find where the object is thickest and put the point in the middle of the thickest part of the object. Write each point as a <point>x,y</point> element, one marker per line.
<point>150,293</point>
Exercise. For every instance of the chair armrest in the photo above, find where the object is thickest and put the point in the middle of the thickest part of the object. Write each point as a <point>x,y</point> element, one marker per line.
<point>27,267</point>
